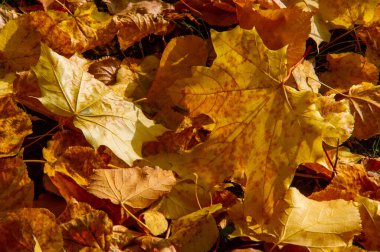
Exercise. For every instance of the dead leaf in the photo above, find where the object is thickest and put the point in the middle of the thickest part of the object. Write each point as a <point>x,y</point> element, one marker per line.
<point>134,27</point>
<point>350,181</point>
<point>16,188</point>
<point>176,63</point>
<point>122,7</point>
<point>104,117</point>
<point>68,33</point>
<point>300,221</point>
<point>346,13</point>
<point>365,106</point>
<point>196,231</point>
<point>347,69</point>
<point>370,215</point>
<point>85,228</point>
<point>15,124</point>
<point>105,69</point>
<point>19,45</point>
<point>135,187</point>
<point>156,221</point>
<point>18,228</point>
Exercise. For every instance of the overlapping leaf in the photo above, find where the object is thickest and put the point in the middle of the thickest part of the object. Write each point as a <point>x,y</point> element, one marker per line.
<point>104,117</point>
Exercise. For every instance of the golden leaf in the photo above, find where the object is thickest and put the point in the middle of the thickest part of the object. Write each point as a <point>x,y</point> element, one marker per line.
<point>104,117</point>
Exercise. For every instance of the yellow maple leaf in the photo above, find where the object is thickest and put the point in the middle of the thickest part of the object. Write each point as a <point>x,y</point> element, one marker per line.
<point>304,222</point>
<point>370,215</point>
<point>104,117</point>
<point>262,127</point>
<point>346,13</point>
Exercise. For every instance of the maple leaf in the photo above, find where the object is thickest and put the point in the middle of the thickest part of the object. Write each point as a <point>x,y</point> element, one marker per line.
<point>347,69</point>
<point>21,228</point>
<point>364,102</point>
<point>196,231</point>
<point>279,27</point>
<point>135,187</point>
<point>16,188</point>
<point>19,45</point>
<point>346,13</point>
<point>15,124</point>
<point>67,33</point>
<point>301,221</point>
<point>104,117</point>
<point>370,215</point>
<point>262,127</point>
<point>85,228</point>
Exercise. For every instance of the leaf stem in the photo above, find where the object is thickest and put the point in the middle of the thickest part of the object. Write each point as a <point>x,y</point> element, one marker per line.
<point>135,218</point>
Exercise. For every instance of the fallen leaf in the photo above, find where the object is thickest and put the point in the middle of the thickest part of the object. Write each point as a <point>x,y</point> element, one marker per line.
<point>135,187</point>
<point>219,13</point>
<point>16,188</point>
<point>196,231</point>
<point>18,228</point>
<point>19,45</point>
<point>85,228</point>
<point>365,106</point>
<point>122,7</point>
<point>176,63</point>
<point>104,117</point>
<point>68,33</point>
<point>280,27</point>
<point>347,69</point>
<point>262,127</point>
<point>347,13</point>
<point>155,221</point>
<point>134,27</point>
<point>305,77</point>
<point>370,215</point>
<point>105,69</point>
<point>300,221</point>
<point>349,182</point>
<point>15,125</point>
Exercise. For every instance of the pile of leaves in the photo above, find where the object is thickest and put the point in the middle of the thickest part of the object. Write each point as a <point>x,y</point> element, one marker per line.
<point>236,136</point>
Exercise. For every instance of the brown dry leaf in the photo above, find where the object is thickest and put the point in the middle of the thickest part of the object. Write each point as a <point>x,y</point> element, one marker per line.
<point>350,181</point>
<point>179,56</point>
<point>134,27</point>
<point>365,106</point>
<point>16,188</point>
<point>196,231</point>
<point>19,45</point>
<point>69,189</point>
<point>105,69</point>
<point>347,69</point>
<point>135,187</point>
<point>155,221</point>
<point>46,3</point>
<point>219,13</point>
<point>370,215</point>
<point>122,7</point>
<point>135,76</point>
<point>122,236</point>
<point>18,229</point>
<point>67,34</point>
<point>104,117</point>
<point>70,154</point>
<point>280,27</point>
<point>15,124</point>
<point>300,221</point>
<point>85,228</point>
<point>347,13</point>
